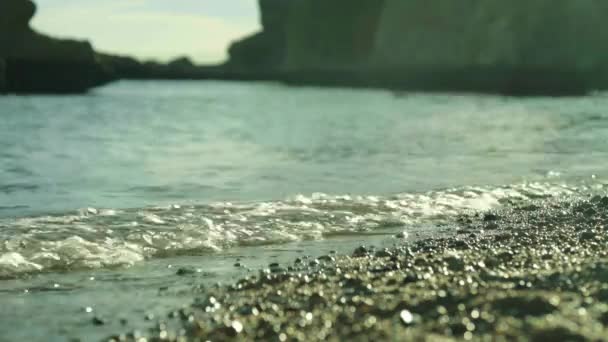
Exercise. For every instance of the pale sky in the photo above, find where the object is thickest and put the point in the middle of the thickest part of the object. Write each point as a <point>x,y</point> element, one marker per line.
<point>158,29</point>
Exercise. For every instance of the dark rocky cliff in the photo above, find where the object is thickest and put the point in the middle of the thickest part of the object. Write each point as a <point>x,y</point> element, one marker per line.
<point>521,47</point>
<point>530,47</point>
<point>333,35</point>
<point>262,51</point>
<point>35,63</point>
<point>2,76</point>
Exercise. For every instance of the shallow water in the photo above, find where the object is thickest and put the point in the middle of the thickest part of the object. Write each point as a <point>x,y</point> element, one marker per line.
<point>145,174</point>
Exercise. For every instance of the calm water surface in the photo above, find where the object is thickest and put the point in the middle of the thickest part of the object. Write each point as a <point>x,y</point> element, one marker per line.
<point>142,171</point>
<point>138,143</point>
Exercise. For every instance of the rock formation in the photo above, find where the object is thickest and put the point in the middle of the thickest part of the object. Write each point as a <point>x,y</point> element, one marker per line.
<point>263,51</point>
<point>2,76</point>
<point>35,63</point>
<point>518,47</point>
<point>181,68</point>
<point>331,35</point>
<point>521,47</point>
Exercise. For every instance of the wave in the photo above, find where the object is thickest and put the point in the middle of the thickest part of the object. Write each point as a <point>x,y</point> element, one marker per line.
<point>97,238</point>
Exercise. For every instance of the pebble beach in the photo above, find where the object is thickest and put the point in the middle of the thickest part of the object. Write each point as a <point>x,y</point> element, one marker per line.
<point>535,272</point>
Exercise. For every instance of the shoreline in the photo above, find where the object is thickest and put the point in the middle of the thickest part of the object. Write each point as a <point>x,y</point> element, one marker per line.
<point>534,272</point>
<point>24,77</point>
<point>492,80</point>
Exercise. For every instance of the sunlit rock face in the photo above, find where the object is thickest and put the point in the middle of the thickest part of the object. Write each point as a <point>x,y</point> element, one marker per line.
<point>37,63</point>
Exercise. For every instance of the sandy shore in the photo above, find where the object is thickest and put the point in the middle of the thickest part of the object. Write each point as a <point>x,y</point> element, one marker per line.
<point>538,272</point>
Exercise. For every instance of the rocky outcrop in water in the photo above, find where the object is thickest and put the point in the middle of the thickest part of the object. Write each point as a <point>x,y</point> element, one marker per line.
<point>35,63</point>
<point>522,47</point>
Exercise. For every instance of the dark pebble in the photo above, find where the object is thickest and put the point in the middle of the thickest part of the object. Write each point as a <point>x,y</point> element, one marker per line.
<point>185,271</point>
<point>490,217</point>
<point>98,321</point>
<point>588,235</point>
<point>327,258</point>
<point>360,251</point>
<point>385,253</point>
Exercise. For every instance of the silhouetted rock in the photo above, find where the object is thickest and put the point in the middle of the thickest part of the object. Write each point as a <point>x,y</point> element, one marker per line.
<point>263,51</point>
<point>181,68</point>
<point>532,47</point>
<point>332,35</point>
<point>35,63</point>
<point>183,63</point>
<point>523,47</point>
<point>2,76</point>
<point>536,47</point>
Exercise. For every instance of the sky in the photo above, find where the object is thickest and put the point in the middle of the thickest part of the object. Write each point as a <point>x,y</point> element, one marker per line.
<point>151,29</point>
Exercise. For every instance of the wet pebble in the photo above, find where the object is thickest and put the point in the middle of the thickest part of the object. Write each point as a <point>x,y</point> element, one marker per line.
<point>384,253</point>
<point>539,269</point>
<point>361,251</point>
<point>98,320</point>
<point>182,271</point>
<point>402,235</point>
<point>490,217</point>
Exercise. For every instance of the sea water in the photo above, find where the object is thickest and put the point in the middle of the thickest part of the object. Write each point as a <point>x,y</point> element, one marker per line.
<point>104,196</point>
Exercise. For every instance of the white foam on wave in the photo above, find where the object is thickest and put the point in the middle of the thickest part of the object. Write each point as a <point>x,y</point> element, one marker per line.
<point>95,238</point>
<point>13,263</point>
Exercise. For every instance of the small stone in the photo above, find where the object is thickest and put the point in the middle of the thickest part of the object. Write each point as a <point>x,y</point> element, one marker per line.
<point>455,264</point>
<point>385,253</point>
<point>406,317</point>
<point>98,320</point>
<point>327,258</point>
<point>490,217</point>
<point>185,271</point>
<point>491,226</point>
<point>237,326</point>
<point>360,251</point>
<point>402,235</point>
<point>588,235</point>
<point>520,306</point>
